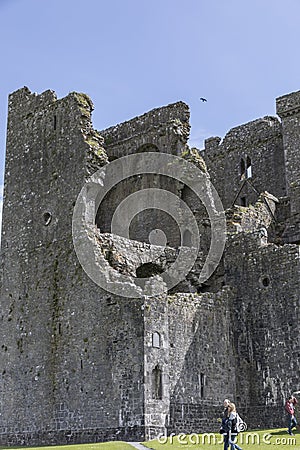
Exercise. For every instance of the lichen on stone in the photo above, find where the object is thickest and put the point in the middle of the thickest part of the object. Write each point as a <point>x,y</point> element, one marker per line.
<point>85,103</point>
<point>192,155</point>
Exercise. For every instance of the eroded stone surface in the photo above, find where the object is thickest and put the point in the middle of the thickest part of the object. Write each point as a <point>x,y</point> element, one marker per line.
<point>79,364</point>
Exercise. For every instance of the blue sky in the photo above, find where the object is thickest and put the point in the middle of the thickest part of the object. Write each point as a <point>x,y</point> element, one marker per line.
<point>133,55</point>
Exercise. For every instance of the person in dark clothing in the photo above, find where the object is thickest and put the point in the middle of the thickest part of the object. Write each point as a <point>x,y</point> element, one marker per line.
<point>229,426</point>
<point>232,428</point>
<point>224,428</point>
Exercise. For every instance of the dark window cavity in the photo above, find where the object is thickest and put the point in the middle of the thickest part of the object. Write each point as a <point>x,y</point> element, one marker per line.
<point>202,384</point>
<point>47,216</point>
<point>157,383</point>
<point>243,201</point>
<point>265,281</point>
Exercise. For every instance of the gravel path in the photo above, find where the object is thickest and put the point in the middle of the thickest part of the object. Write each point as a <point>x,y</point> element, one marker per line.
<point>138,446</point>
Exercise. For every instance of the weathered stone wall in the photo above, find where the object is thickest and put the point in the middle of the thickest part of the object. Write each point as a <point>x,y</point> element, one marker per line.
<point>157,365</point>
<point>261,141</point>
<point>162,129</point>
<point>202,372</point>
<point>81,365</point>
<point>265,317</point>
<point>147,219</point>
<point>260,217</point>
<point>195,356</point>
<point>288,108</point>
<point>64,340</point>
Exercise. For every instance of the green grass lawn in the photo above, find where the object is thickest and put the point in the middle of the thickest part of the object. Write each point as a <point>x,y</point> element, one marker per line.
<point>249,440</point>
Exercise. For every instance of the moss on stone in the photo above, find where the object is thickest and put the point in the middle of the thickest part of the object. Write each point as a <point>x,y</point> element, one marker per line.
<point>192,155</point>
<point>85,103</point>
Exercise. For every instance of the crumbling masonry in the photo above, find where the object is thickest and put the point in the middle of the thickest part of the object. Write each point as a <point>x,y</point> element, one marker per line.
<point>79,364</point>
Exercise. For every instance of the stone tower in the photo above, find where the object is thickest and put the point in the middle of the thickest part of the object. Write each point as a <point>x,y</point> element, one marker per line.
<point>55,366</point>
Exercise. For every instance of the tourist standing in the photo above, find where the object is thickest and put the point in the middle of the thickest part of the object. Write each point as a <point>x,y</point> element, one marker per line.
<point>290,409</point>
<point>231,427</point>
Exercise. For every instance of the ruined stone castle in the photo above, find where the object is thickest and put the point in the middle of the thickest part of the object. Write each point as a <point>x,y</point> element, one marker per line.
<point>79,364</point>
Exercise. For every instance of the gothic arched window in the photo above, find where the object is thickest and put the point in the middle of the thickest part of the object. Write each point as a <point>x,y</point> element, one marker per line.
<point>156,339</point>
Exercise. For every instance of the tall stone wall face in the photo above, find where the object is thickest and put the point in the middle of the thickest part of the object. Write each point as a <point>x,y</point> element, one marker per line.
<point>202,372</point>
<point>196,359</point>
<point>261,142</point>
<point>147,219</point>
<point>265,318</point>
<point>160,130</point>
<point>288,108</point>
<point>157,365</point>
<point>64,340</point>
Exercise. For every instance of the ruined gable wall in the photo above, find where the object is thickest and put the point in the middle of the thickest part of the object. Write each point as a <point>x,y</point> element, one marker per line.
<point>261,141</point>
<point>164,130</point>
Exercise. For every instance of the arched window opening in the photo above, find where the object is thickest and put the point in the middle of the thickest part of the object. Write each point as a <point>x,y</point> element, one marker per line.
<point>248,167</point>
<point>47,216</point>
<point>156,340</point>
<point>187,238</point>
<point>242,169</point>
<point>157,383</point>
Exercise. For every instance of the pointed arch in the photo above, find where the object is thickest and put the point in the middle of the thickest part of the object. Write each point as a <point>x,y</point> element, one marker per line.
<point>156,340</point>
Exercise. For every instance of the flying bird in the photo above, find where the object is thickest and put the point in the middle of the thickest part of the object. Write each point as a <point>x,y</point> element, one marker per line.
<point>203,99</point>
